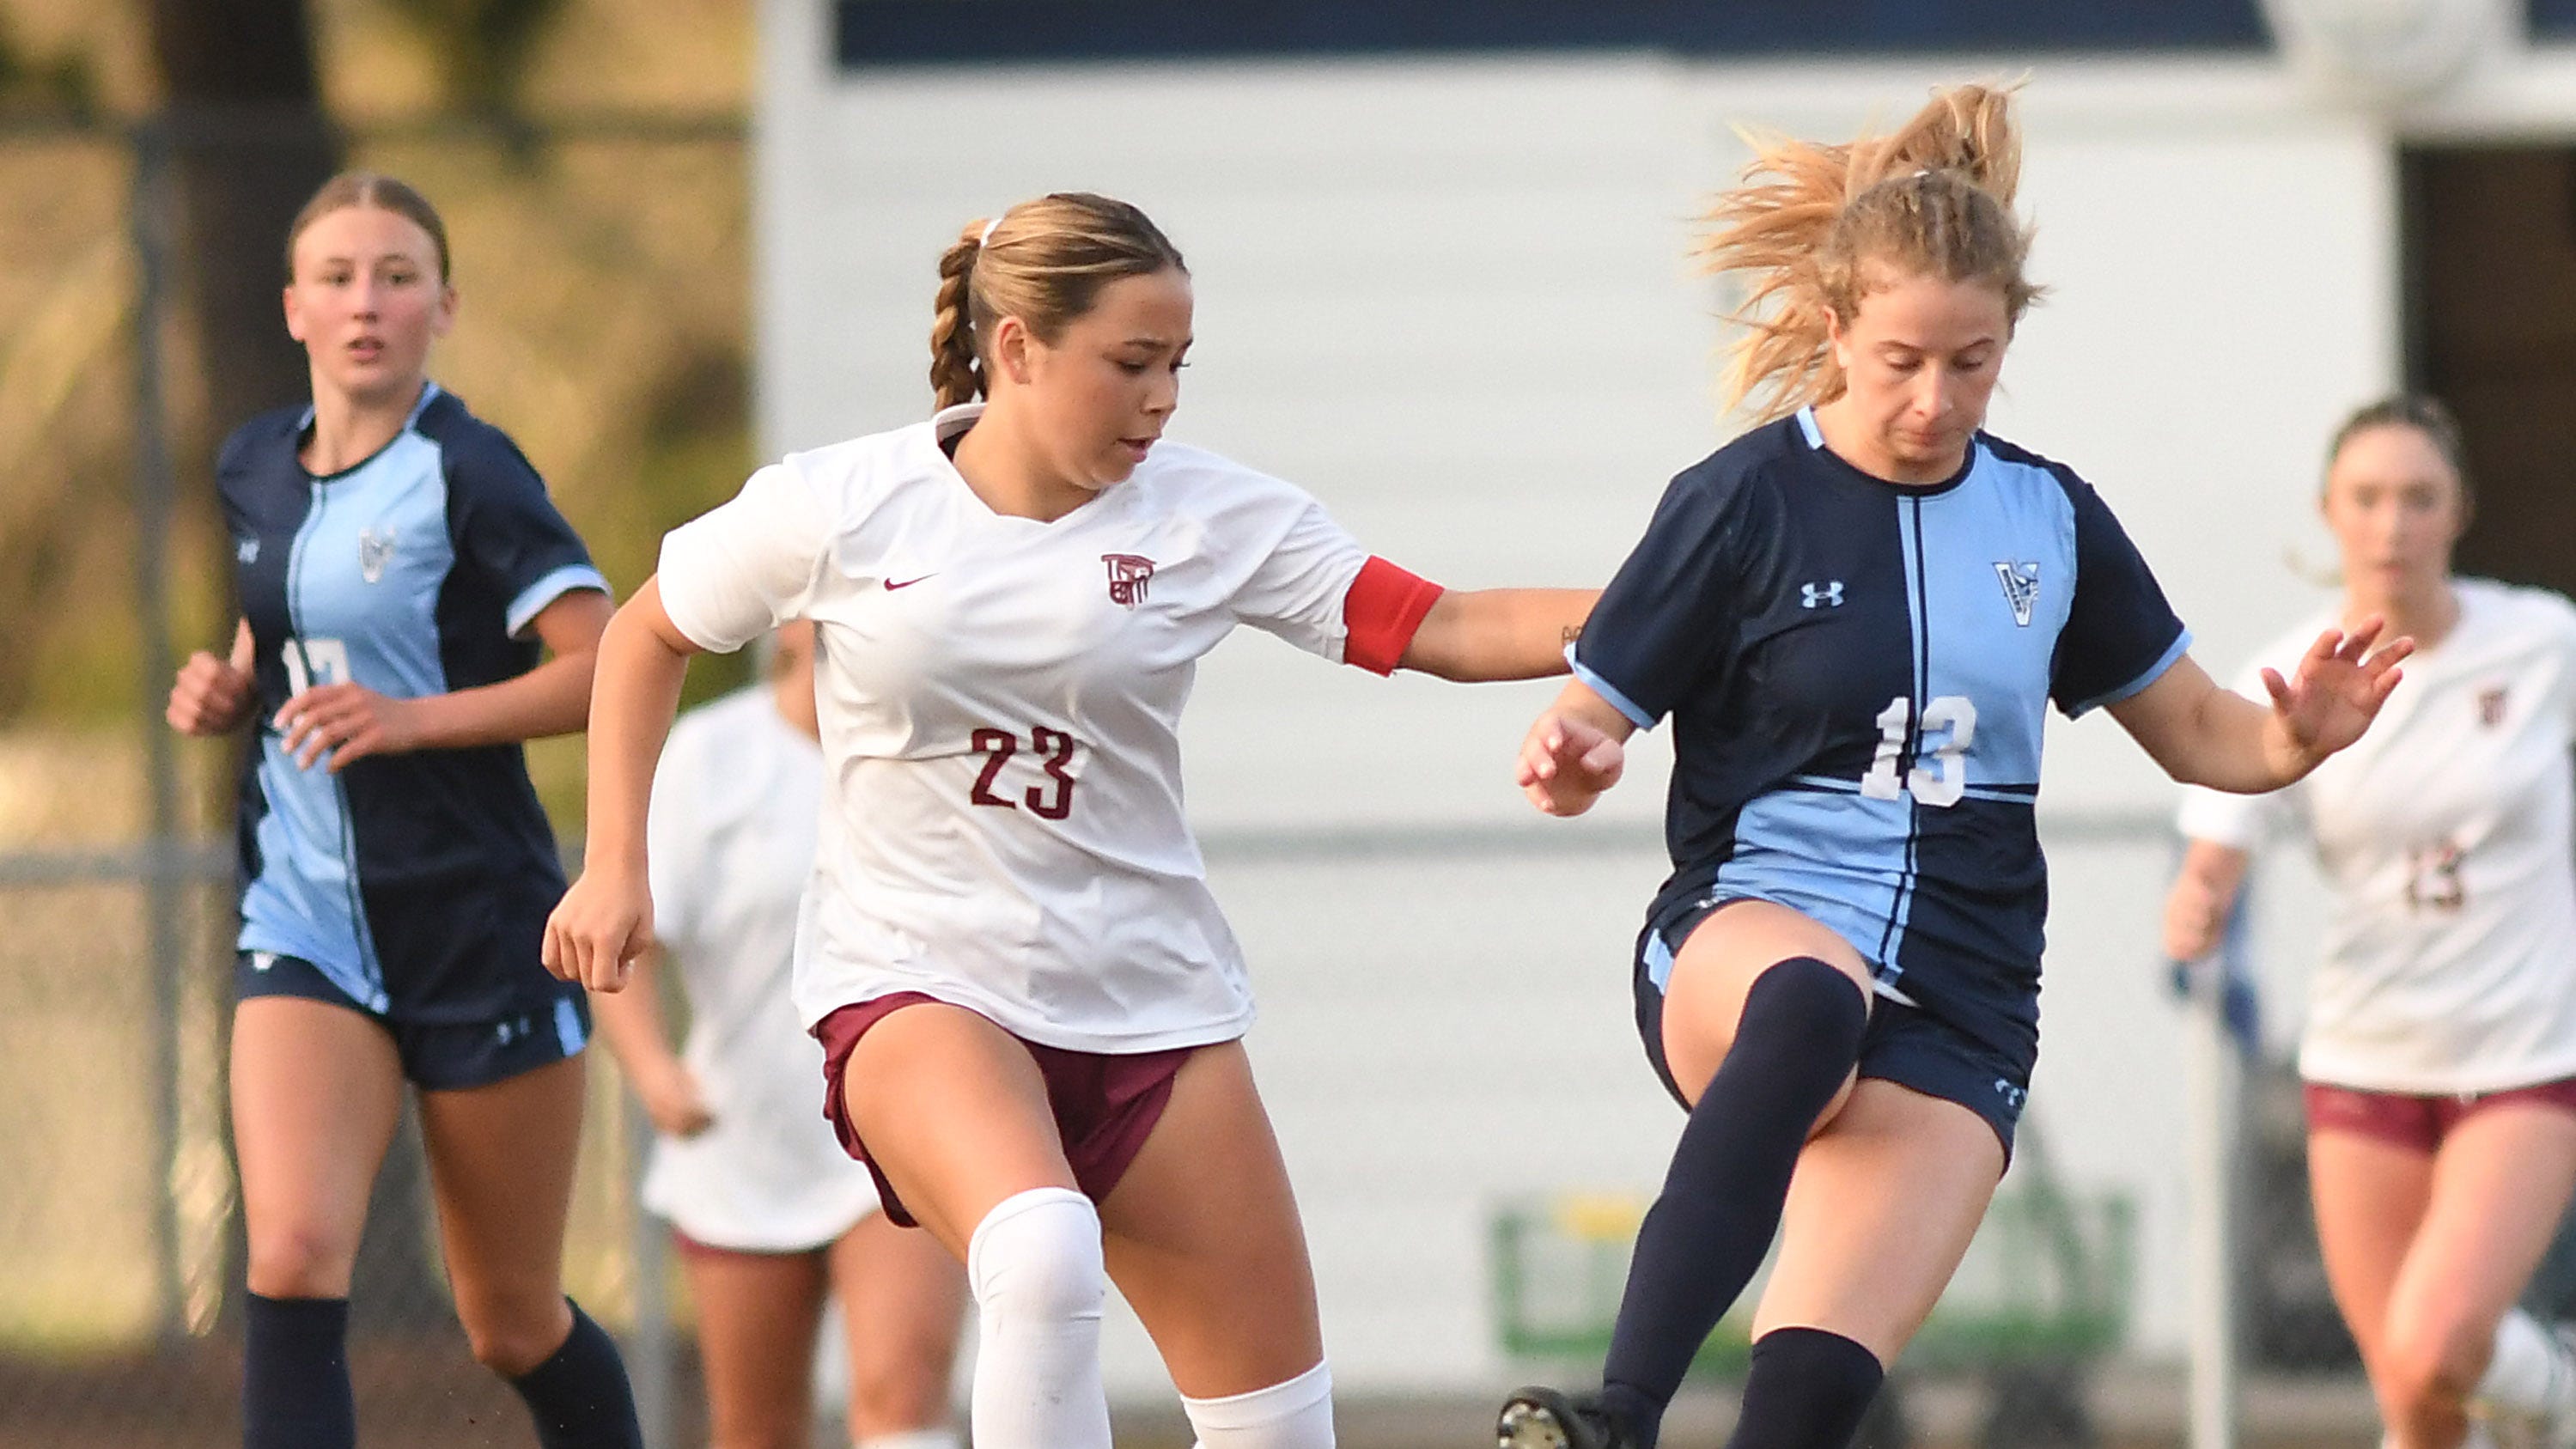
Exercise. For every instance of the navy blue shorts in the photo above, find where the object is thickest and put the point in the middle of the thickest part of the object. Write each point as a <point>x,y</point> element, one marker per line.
<point>437,1056</point>
<point>1903,1044</point>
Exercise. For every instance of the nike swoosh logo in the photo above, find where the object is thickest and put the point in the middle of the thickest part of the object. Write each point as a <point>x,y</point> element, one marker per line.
<point>892,585</point>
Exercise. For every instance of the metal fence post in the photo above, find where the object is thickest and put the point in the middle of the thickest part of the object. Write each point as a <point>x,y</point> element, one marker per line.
<point>153,490</point>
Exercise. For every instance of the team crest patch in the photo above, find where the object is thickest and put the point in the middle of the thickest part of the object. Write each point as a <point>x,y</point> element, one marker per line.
<point>2021,588</point>
<point>2491,704</point>
<point>375,550</point>
<point>1128,575</point>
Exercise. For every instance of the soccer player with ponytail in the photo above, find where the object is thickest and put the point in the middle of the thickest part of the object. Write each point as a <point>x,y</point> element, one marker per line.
<point>1029,1005</point>
<point>1856,615</point>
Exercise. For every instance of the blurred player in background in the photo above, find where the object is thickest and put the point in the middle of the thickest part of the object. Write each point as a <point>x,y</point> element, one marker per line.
<point>1857,614</point>
<point>2440,1049</point>
<point>401,573</point>
<point>1030,1004</point>
<point>773,1218</point>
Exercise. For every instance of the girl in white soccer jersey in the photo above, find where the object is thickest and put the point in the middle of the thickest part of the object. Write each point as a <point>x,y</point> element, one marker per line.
<point>2440,1050</point>
<point>1856,615</point>
<point>1029,1004</point>
<point>398,565</point>
<point>772,1217</point>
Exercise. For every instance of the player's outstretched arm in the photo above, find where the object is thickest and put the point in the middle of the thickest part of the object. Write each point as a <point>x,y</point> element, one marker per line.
<point>1575,750</point>
<point>606,920</point>
<point>2204,892</point>
<point>2204,735</point>
<point>1488,634</point>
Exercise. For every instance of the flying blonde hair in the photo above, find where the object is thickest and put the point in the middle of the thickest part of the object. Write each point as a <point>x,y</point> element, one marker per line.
<point>1813,228</point>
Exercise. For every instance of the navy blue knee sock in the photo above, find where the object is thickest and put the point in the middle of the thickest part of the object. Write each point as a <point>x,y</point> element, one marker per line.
<point>580,1397</point>
<point>295,1374</point>
<point>1807,1389</point>
<point>1707,1233</point>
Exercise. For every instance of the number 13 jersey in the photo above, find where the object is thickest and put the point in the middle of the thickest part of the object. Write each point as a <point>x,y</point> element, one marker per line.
<point>1000,703</point>
<point>1858,674</point>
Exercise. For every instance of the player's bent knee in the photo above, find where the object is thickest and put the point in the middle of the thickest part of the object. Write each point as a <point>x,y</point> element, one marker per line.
<point>2424,1361</point>
<point>511,1340</point>
<point>1297,1414</point>
<point>1036,1257</point>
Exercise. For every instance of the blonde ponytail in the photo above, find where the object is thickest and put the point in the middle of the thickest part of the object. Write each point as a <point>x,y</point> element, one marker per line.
<point>955,376</point>
<point>1933,198</point>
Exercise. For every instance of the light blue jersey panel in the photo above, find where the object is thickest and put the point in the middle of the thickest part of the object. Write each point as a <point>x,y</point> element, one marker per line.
<point>1994,569</point>
<point>362,588</point>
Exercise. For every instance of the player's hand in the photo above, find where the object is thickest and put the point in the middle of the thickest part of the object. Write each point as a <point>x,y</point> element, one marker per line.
<point>2336,693</point>
<point>347,722</point>
<point>598,930</point>
<point>1565,764</point>
<point>674,1100</point>
<point>209,697</point>
<point>2195,918</point>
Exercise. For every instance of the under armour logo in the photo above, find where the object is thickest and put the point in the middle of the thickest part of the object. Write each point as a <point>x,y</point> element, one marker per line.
<point>246,550</point>
<point>510,1031</point>
<point>1128,575</point>
<point>263,960</point>
<point>2021,588</point>
<point>1824,596</point>
<point>2013,1096</point>
<point>375,550</point>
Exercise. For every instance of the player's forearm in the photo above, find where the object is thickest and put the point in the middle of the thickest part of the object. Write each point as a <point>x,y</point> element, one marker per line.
<point>1495,634</point>
<point>633,698</point>
<point>632,1023</point>
<point>551,699</point>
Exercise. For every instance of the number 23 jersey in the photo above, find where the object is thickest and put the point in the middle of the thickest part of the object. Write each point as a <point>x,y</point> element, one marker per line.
<point>1000,704</point>
<point>1858,674</point>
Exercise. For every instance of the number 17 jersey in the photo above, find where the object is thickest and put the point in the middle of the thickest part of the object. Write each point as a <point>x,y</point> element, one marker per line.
<point>1858,674</point>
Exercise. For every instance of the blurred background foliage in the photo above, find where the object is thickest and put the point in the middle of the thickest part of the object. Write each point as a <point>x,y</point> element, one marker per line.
<point>589,159</point>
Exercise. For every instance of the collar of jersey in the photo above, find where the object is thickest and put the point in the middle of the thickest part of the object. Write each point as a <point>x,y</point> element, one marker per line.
<point>428,394</point>
<point>1815,440</point>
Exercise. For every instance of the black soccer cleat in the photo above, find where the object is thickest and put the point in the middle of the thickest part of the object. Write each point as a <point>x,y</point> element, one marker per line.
<point>1537,1418</point>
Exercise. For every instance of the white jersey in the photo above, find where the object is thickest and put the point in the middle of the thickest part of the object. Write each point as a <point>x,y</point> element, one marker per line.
<point>732,831</point>
<point>1000,702</point>
<point>2450,960</point>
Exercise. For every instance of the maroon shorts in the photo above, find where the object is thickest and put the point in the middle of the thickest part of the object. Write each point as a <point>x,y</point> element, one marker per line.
<point>2419,1123</point>
<point>1105,1104</point>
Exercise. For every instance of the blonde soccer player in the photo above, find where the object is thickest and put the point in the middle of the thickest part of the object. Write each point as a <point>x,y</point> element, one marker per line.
<point>402,575</point>
<point>2439,1053</point>
<point>1856,616</point>
<point>1028,1001</point>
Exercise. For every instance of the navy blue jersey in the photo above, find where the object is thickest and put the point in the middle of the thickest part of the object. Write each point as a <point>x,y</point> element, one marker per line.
<point>418,883</point>
<point>1857,674</point>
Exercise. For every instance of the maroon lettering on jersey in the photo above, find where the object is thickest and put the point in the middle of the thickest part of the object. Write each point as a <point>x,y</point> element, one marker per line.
<point>2491,706</point>
<point>1128,574</point>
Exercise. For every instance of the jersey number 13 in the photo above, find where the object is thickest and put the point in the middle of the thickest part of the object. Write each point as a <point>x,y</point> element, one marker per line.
<point>1955,715</point>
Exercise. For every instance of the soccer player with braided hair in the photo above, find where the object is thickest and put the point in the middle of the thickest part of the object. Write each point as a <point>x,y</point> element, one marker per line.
<point>1029,1004</point>
<point>1856,615</point>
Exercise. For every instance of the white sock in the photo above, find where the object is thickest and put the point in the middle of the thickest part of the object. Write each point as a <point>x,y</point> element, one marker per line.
<point>911,1439</point>
<point>1297,1414</point>
<point>1034,1264</point>
<point>2530,1372</point>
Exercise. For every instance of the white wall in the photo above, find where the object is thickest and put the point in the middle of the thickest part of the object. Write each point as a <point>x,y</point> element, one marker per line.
<point>1450,299</point>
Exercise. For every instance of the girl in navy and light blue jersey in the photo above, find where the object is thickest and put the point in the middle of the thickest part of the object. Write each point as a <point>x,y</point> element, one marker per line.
<point>402,574</point>
<point>1856,616</point>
